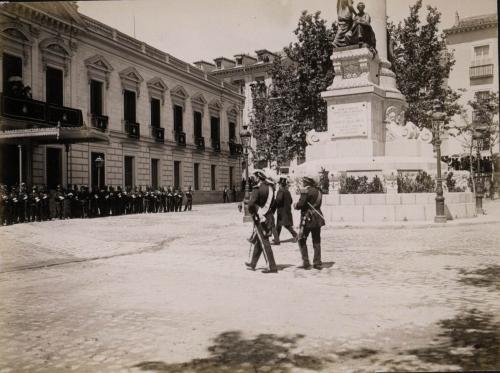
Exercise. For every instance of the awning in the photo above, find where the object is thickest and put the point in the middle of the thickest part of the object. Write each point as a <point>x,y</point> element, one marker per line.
<point>53,135</point>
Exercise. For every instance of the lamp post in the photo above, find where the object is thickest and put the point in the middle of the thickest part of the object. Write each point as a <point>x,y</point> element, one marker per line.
<point>245,139</point>
<point>99,162</point>
<point>437,123</point>
<point>478,139</point>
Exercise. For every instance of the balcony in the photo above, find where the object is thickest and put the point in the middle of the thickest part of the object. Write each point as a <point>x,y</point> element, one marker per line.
<point>27,109</point>
<point>132,130</point>
<point>481,69</point>
<point>180,138</point>
<point>200,143</point>
<point>99,122</point>
<point>234,148</point>
<point>216,145</point>
<point>158,133</point>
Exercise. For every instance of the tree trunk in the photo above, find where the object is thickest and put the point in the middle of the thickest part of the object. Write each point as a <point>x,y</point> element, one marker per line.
<point>472,169</point>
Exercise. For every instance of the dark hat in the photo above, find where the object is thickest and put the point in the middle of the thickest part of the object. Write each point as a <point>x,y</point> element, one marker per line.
<point>259,174</point>
<point>307,181</point>
<point>283,181</point>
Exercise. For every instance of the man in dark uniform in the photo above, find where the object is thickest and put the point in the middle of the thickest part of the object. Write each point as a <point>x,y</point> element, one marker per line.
<point>262,205</point>
<point>23,203</point>
<point>83,201</point>
<point>59,202</point>
<point>189,199</point>
<point>311,221</point>
<point>170,199</point>
<point>4,206</point>
<point>45,204</point>
<point>284,216</point>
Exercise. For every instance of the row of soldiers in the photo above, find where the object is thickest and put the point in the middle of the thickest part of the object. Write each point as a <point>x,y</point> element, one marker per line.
<point>18,205</point>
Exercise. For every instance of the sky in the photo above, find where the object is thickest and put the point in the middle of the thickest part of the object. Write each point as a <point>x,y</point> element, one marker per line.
<point>195,30</point>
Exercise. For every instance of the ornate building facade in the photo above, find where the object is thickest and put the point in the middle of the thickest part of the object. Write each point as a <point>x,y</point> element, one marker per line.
<point>91,92</point>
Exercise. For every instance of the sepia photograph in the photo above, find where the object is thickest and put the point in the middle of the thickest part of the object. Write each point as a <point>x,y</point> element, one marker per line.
<point>249,186</point>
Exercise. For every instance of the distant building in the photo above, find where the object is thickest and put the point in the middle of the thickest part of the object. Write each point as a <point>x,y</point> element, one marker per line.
<point>474,42</point>
<point>98,93</point>
<point>242,71</point>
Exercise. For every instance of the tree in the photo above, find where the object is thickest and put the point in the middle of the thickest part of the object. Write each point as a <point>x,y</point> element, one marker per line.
<point>422,65</point>
<point>293,104</point>
<point>484,125</point>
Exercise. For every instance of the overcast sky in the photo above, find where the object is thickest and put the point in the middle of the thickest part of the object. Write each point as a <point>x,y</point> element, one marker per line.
<point>205,29</point>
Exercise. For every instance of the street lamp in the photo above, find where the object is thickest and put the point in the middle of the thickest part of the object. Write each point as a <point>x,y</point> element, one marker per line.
<point>99,163</point>
<point>478,140</point>
<point>437,124</point>
<point>245,139</point>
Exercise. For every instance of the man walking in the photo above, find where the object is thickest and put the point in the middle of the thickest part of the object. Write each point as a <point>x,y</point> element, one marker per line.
<point>311,221</point>
<point>262,205</point>
<point>225,194</point>
<point>189,199</point>
<point>284,216</point>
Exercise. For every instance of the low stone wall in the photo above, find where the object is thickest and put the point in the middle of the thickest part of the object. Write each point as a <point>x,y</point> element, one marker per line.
<point>373,208</point>
<point>203,197</point>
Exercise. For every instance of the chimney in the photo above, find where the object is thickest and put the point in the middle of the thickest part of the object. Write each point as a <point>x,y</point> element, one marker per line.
<point>457,19</point>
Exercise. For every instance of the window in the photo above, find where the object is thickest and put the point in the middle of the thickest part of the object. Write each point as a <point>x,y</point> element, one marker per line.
<point>54,86</point>
<point>212,176</point>
<point>218,64</point>
<point>129,106</point>
<point>177,174</point>
<point>481,52</point>
<point>178,113</point>
<point>53,167</point>
<point>239,61</point>
<point>129,171</point>
<point>231,170</point>
<point>232,131</point>
<point>215,129</point>
<point>198,125</point>
<point>154,173</point>
<point>97,181</point>
<point>12,66</point>
<point>155,112</point>
<point>95,97</point>
<point>196,176</point>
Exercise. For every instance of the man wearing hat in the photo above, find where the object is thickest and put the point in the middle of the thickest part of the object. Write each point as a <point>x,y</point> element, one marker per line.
<point>284,216</point>
<point>311,221</point>
<point>262,205</point>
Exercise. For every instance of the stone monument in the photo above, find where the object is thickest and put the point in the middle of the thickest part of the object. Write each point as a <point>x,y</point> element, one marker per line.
<point>367,132</point>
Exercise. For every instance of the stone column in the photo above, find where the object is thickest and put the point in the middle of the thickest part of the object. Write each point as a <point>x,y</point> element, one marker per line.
<point>378,11</point>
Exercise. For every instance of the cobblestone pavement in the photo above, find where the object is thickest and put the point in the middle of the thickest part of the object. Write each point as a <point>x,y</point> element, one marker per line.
<point>169,293</point>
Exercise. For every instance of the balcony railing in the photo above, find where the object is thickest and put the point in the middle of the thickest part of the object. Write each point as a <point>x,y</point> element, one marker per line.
<point>481,69</point>
<point>99,122</point>
<point>216,145</point>
<point>158,133</point>
<point>235,149</point>
<point>200,143</point>
<point>132,130</point>
<point>180,138</point>
<point>38,111</point>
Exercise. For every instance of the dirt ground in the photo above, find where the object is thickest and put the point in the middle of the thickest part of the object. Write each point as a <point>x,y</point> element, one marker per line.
<point>169,293</point>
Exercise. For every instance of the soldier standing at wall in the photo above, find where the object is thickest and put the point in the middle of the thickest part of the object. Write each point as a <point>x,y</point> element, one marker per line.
<point>59,202</point>
<point>189,199</point>
<point>170,199</point>
<point>311,221</point>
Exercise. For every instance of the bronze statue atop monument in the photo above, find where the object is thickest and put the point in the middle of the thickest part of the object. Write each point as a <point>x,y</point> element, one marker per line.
<point>354,28</point>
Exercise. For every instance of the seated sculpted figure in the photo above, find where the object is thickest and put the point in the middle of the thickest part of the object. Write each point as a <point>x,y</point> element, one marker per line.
<point>361,31</point>
<point>345,12</point>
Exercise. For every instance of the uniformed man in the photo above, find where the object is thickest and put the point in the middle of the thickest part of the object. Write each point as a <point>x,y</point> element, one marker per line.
<point>23,203</point>
<point>189,199</point>
<point>59,198</point>
<point>262,205</point>
<point>311,221</point>
<point>45,204</point>
<point>170,199</point>
<point>284,216</point>
<point>4,205</point>
<point>83,201</point>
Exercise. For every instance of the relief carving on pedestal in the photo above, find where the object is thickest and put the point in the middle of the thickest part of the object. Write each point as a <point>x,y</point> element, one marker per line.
<point>397,129</point>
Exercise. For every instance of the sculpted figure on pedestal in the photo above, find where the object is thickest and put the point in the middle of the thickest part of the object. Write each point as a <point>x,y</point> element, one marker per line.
<point>353,27</point>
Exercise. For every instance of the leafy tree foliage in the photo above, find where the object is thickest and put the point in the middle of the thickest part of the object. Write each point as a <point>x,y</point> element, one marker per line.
<point>292,105</point>
<point>422,65</point>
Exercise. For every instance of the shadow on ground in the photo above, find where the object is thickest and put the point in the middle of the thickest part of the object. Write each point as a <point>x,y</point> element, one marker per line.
<point>483,277</point>
<point>230,352</point>
<point>471,340</point>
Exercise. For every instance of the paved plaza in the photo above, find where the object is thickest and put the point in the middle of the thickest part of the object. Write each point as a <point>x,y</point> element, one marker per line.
<point>169,293</point>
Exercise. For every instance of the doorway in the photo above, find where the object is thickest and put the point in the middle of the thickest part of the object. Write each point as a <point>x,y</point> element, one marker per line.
<point>53,167</point>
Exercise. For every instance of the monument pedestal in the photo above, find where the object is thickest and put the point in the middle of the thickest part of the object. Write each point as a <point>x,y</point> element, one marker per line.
<point>366,131</point>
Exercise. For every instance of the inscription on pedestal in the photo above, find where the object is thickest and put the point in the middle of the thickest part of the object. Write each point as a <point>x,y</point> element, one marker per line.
<point>348,120</point>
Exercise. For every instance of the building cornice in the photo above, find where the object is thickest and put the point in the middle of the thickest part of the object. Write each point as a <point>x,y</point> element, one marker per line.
<point>468,25</point>
<point>237,70</point>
